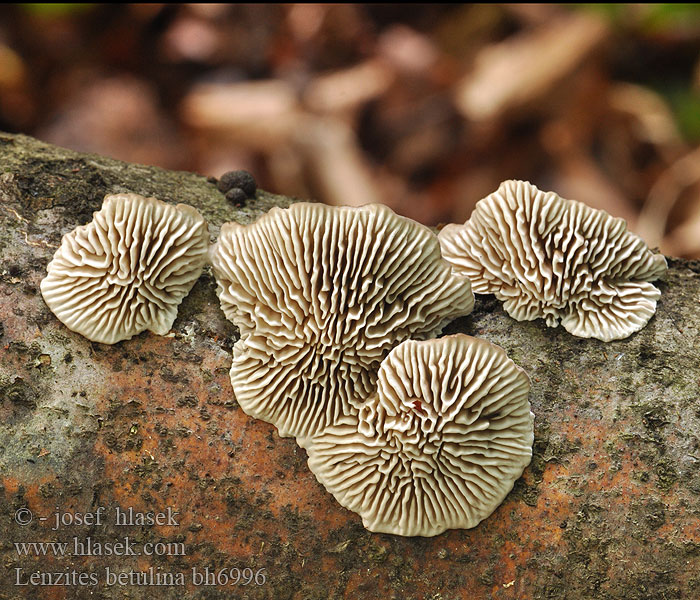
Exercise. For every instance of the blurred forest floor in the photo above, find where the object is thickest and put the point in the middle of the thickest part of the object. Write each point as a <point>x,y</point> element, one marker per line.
<point>426,108</point>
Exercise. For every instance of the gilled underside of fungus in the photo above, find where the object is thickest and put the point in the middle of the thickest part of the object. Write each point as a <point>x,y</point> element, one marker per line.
<point>321,295</point>
<point>438,446</point>
<point>128,269</point>
<point>557,259</point>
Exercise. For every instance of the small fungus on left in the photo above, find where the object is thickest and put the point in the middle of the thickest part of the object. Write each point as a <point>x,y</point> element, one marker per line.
<point>128,269</point>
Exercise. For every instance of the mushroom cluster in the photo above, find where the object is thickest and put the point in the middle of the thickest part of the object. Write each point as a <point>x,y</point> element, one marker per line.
<point>321,295</point>
<point>440,443</point>
<point>128,269</point>
<point>336,308</point>
<point>544,256</point>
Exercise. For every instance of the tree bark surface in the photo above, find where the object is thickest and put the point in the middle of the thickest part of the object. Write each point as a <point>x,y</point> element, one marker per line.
<point>609,508</point>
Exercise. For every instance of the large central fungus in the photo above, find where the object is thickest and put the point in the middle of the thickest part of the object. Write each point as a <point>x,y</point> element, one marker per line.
<point>321,295</point>
<point>438,446</point>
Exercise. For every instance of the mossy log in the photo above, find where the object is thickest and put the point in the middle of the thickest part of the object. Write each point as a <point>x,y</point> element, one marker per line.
<point>609,507</point>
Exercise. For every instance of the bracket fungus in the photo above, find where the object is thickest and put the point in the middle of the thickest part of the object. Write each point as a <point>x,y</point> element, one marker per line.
<point>321,295</point>
<point>439,445</point>
<point>545,256</point>
<point>128,269</point>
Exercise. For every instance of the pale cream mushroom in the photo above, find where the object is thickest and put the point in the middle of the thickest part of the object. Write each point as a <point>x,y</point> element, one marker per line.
<point>128,269</point>
<point>321,295</point>
<point>557,259</point>
<point>438,446</point>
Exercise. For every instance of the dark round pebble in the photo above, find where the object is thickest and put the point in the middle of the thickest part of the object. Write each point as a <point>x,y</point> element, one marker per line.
<point>236,196</point>
<point>237,179</point>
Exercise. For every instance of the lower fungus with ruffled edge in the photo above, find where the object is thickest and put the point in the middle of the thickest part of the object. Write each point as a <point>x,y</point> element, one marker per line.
<point>438,446</point>
<point>321,295</point>
<point>558,259</point>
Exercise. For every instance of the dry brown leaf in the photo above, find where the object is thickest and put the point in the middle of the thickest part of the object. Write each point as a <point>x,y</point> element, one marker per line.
<point>341,172</point>
<point>260,114</point>
<point>663,196</point>
<point>527,66</point>
<point>347,90</point>
<point>408,50</point>
<point>685,239</point>
<point>652,116</point>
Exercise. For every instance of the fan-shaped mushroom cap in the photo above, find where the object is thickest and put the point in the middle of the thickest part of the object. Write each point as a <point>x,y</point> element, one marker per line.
<point>558,259</point>
<point>440,444</point>
<point>128,269</point>
<point>321,295</point>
